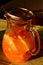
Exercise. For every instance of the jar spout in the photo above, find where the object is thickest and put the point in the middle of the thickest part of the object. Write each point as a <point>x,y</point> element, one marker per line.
<point>8,15</point>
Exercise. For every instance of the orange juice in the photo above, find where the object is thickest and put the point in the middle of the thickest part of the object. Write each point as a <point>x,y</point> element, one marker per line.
<point>17,44</point>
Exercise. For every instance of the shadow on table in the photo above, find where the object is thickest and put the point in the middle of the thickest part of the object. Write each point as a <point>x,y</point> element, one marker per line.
<point>38,55</point>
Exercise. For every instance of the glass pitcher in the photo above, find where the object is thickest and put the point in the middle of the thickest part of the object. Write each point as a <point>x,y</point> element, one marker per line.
<point>21,40</point>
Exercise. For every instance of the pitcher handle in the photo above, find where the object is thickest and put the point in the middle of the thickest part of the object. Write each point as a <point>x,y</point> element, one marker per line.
<point>36,51</point>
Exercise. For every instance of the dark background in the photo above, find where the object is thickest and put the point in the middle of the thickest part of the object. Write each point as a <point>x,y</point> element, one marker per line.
<point>30,4</point>
<point>33,5</point>
<point>2,2</point>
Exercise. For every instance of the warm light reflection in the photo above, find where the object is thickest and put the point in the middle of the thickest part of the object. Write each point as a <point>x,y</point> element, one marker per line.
<point>23,42</point>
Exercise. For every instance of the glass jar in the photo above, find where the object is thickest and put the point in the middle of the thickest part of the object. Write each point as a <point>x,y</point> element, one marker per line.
<point>21,40</point>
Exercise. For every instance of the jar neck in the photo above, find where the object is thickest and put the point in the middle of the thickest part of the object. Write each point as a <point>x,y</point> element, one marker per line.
<point>19,23</point>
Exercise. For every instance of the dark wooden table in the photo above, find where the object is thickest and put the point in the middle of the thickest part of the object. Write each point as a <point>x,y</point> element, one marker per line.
<point>37,60</point>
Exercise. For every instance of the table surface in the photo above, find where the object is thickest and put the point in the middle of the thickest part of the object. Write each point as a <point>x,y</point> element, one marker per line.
<point>38,59</point>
